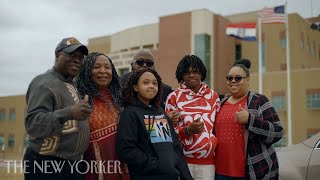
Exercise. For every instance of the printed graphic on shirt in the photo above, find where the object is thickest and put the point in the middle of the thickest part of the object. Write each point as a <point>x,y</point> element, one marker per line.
<point>71,126</point>
<point>158,128</point>
<point>191,106</point>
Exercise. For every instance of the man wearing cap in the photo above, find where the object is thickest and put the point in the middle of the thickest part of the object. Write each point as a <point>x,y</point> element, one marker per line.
<point>56,118</point>
<point>144,59</point>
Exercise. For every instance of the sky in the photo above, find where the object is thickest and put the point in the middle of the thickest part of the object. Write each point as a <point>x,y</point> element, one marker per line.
<point>30,30</point>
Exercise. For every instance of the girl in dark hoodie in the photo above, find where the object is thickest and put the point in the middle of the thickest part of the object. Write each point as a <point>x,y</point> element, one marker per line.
<point>146,140</point>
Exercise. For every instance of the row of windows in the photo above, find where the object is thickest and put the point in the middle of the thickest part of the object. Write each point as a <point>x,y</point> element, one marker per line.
<point>311,48</point>
<point>10,141</point>
<point>12,115</point>
<point>313,102</point>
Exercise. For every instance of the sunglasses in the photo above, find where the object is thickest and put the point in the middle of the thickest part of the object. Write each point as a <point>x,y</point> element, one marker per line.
<point>141,62</point>
<point>236,78</point>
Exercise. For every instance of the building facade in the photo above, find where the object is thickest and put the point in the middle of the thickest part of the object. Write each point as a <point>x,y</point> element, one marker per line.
<point>202,33</point>
<point>12,136</point>
<point>198,32</point>
<point>304,52</point>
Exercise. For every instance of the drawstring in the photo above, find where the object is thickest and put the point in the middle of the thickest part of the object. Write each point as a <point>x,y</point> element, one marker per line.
<point>151,123</point>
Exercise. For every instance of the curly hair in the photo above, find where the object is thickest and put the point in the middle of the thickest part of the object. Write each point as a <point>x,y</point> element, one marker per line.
<point>129,95</point>
<point>85,84</point>
<point>192,61</point>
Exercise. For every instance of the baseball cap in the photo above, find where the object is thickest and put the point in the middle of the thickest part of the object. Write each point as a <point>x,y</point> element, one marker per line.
<point>70,44</point>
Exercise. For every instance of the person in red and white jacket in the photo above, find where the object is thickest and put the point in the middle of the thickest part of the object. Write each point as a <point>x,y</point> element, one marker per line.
<point>195,106</point>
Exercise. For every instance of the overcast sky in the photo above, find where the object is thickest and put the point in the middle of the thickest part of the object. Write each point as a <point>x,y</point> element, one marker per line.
<point>30,30</point>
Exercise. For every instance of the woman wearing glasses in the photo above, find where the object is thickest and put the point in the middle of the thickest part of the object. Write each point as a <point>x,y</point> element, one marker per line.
<point>246,126</point>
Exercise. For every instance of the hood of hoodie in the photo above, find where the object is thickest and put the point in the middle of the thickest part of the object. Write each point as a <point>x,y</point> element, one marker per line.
<point>204,89</point>
<point>139,103</point>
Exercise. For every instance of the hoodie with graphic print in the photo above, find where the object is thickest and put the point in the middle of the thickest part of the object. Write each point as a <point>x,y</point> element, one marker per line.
<point>203,105</point>
<point>147,142</point>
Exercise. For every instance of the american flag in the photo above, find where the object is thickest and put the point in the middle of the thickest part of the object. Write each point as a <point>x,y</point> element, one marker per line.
<point>273,15</point>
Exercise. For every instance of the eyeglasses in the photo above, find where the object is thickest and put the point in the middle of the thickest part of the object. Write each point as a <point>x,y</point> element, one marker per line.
<point>141,62</point>
<point>236,78</point>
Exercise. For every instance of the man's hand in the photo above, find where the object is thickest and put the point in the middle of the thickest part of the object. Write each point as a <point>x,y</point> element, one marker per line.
<point>81,110</point>
<point>242,115</point>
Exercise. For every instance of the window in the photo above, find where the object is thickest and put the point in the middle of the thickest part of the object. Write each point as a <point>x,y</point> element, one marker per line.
<point>282,37</point>
<point>319,52</point>
<point>134,48</point>
<point>12,114</point>
<point>279,101</point>
<point>202,48</point>
<point>2,140</point>
<point>2,114</point>
<point>283,43</point>
<point>25,140</point>
<point>301,41</point>
<point>11,140</point>
<point>308,45</point>
<point>263,51</point>
<point>318,145</point>
<point>123,71</point>
<point>312,131</point>
<point>313,49</point>
<point>282,142</point>
<point>313,99</point>
<point>149,46</point>
<point>238,51</point>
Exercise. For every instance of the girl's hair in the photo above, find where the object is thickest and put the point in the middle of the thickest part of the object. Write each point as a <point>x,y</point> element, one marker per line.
<point>245,64</point>
<point>86,86</point>
<point>128,93</point>
<point>192,61</point>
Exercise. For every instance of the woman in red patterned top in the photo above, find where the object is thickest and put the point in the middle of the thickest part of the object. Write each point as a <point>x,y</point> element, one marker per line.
<point>99,79</point>
<point>246,126</point>
<point>197,106</point>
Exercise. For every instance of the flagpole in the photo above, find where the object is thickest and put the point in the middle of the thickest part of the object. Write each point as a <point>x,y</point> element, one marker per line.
<point>288,79</point>
<point>260,56</point>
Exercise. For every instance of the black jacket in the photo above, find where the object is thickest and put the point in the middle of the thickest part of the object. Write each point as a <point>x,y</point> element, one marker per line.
<point>147,142</point>
<point>166,89</point>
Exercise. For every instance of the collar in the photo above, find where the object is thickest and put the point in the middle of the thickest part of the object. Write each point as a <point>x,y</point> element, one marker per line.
<point>201,92</point>
<point>60,76</point>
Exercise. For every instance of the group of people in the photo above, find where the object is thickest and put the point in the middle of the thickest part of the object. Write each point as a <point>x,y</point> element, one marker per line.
<point>85,122</point>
